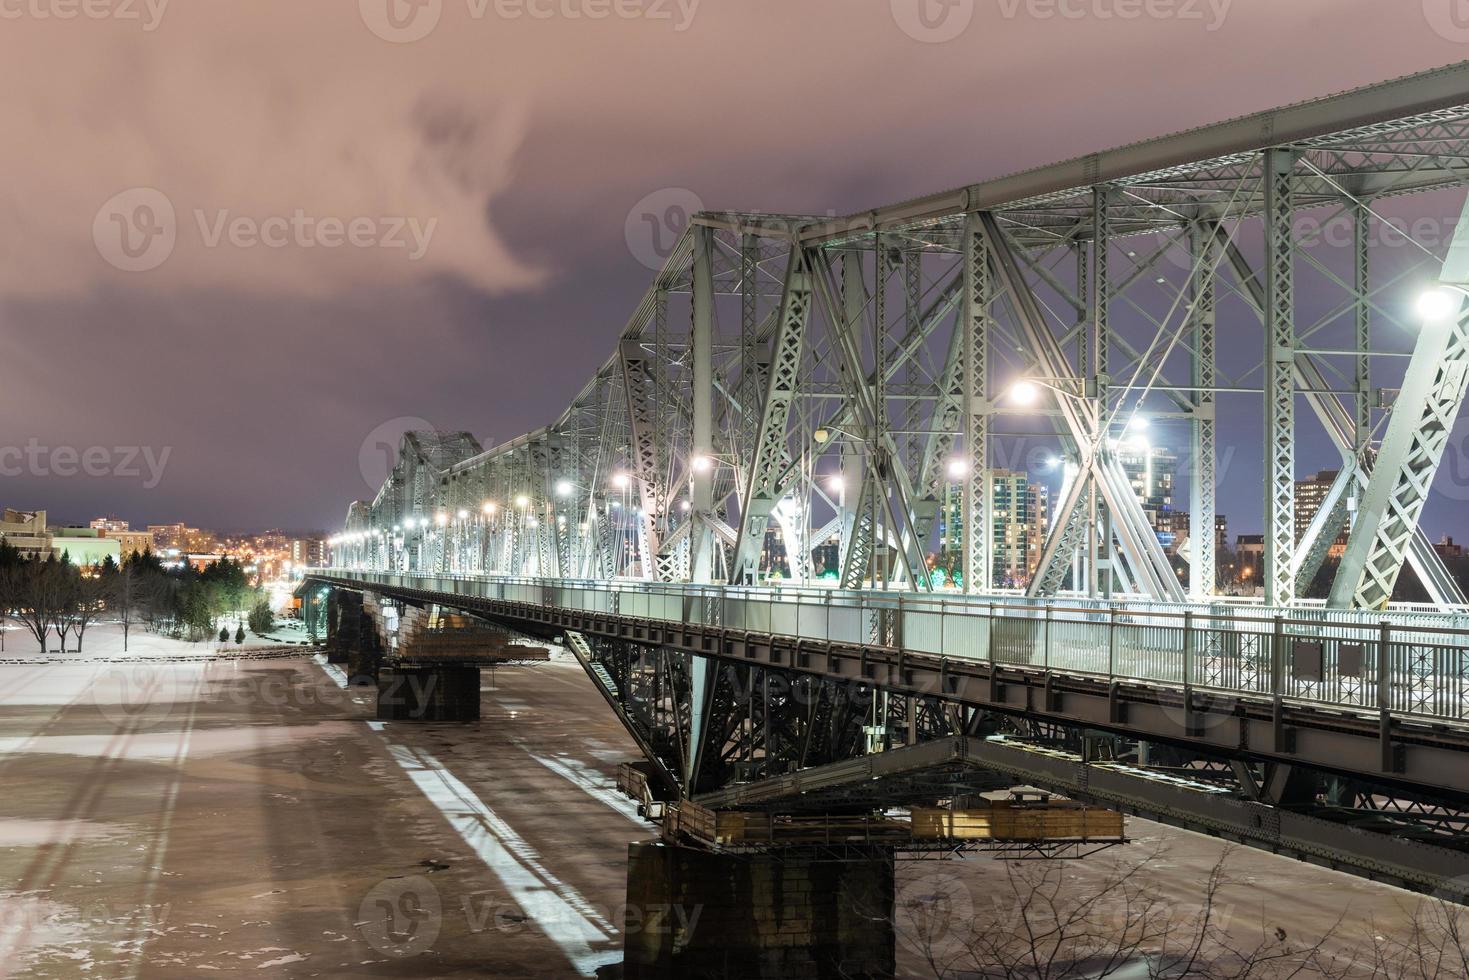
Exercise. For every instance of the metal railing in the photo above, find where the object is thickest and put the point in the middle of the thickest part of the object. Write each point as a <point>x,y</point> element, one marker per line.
<point>1400,662</point>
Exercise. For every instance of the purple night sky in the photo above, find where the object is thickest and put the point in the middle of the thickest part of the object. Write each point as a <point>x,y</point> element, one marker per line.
<point>526,141</point>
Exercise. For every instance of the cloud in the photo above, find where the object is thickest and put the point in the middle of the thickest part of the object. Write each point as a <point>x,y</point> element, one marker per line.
<point>289,160</point>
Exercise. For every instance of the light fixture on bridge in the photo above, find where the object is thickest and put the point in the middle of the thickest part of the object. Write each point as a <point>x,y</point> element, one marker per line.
<point>1138,423</point>
<point>683,505</point>
<point>621,480</point>
<point>522,501</point>
<point>958,468</point>
<point>701,464</point>
<point>1438,303</point>
<point>822,435</point>
<point>835,484</point>
<point>564,488</point>
<point>489,507</point>
<point>408,523</point>
<point>463,515</point>
<point>1023,393</point>
<point>441,518</point>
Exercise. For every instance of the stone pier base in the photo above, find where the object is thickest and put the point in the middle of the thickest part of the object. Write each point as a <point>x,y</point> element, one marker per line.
<point>694,914</point>
<point>428,693</point>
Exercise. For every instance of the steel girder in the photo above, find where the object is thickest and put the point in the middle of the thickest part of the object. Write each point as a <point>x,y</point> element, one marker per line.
<point>1417,432</point>
<point>762,491</point>
<point>1280,390</point>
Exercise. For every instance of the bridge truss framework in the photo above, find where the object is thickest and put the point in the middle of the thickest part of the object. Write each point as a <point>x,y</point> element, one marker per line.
<point>838,379</point>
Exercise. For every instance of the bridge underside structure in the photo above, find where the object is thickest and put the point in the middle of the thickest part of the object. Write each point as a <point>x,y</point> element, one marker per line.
<point>844,391</point>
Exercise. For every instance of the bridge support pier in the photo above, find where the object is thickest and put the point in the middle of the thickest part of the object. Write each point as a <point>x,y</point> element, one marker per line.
<point>441,693</point>
<point>352,637</point>
<point>338,640</point>
<point>695,914</point>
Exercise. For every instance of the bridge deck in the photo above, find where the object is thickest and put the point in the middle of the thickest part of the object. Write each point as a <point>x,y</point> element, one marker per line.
<point>1312,691</point>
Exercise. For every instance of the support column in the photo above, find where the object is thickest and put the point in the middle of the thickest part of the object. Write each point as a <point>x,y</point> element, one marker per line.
<point>701,545</point>
<point>694,914</point>
<point>1099,524</point>
<point>428,693</point>
<point>1202,560</point>
<point>1280,392</point>
<point>975,322</point>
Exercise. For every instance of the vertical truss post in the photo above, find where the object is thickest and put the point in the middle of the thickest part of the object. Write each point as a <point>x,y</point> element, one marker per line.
<point>975,322</point>
<point>1098,526</point>
<point>1202,481</point>
<point>882,464</point>
<point>852,476</point>
<point>702,465</point>
<point>750,387</point>
<point>1417,432</point>
<point>762,490</point>
<point>1280,391</point>
<point>1362,323</point>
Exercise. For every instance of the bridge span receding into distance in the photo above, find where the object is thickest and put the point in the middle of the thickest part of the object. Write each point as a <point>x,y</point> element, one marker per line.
<point>797,394</point>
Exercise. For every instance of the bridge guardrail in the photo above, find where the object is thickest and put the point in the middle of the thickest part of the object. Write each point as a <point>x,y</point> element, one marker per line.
<point>1412,663</point>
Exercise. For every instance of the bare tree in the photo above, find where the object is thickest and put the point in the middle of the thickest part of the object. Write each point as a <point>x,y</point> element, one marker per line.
<point>1045,922</point>
<point>41,597</point>
<point>89,602</point>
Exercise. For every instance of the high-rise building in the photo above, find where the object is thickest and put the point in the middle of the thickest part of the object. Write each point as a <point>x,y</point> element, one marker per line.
<point>1152,471</point>
<point>1019,513</point>
<point>109,524</point>
<point>1310,494</point>
<point>310,550</point>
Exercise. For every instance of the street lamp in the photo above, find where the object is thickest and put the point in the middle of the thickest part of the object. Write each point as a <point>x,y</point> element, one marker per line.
<point>1023,393</point>
<point>1439,302</point>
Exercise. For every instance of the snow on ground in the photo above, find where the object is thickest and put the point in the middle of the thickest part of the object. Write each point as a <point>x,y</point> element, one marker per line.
<point>105,639</point>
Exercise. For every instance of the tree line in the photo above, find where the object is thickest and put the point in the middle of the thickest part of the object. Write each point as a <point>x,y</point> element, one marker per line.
<point>52,597</point>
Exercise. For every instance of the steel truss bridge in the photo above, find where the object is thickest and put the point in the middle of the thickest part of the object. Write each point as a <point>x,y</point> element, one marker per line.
<point>845,383</point>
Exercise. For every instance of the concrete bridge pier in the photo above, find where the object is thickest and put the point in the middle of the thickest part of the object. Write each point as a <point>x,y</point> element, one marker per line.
<point>428,693</point>
<point>694,914</point>
<point>352,638</point>
<point>337,641</point>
